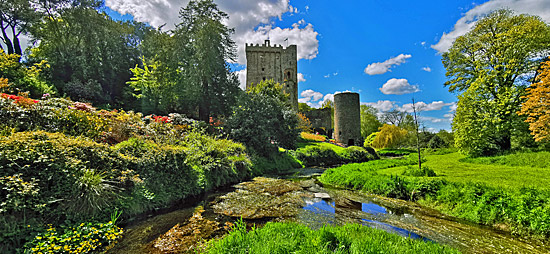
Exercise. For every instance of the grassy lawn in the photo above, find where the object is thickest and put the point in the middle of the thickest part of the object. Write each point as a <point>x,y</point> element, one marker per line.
<point>456,168</point>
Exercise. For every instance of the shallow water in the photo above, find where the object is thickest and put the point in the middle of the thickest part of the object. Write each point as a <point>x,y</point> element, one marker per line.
<point>304,200</point>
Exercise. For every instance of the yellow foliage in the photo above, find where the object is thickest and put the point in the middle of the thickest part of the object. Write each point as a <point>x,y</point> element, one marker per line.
<point>303,123</point>
<point>4,85</point>
<point>537,106</point>
<point>313,137</point>
<point>389,136</point>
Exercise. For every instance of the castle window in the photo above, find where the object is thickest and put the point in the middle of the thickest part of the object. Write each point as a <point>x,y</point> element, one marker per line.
<point>263,69</point>
<point>263,78</point>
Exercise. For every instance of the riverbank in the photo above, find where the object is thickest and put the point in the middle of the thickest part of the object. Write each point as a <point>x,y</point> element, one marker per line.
<point>495,195</point>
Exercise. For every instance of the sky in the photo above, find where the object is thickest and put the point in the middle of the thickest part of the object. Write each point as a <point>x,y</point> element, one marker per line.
<point>387,51</point>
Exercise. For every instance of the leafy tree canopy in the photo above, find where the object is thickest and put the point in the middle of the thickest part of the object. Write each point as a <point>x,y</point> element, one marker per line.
<point>537,106</point>
<point>489,68</point>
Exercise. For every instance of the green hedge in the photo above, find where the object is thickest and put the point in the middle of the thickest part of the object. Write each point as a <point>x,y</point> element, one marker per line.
<point>54,178</point>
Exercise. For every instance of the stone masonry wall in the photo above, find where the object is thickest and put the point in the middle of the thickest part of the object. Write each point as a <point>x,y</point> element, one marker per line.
<point>347,119</point>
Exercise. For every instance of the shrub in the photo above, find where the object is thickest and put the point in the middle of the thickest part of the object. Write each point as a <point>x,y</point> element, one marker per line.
<point>415,171</point>
<point>318,156</point>
<point>83,238</point>
<point>436,142</point>
<point>357,154</point>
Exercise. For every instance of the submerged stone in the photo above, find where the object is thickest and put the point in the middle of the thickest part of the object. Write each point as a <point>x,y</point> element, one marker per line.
<point>263,198</point>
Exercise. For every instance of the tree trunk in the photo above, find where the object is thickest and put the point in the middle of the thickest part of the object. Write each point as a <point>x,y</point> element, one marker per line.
<point>16,44</point>
<point>204,103</point>
<point>7,40</point>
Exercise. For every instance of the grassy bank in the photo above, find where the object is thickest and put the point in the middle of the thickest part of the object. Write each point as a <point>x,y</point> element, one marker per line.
<point>327,154</point>
<point>296,238</point>
<point>510,197</point>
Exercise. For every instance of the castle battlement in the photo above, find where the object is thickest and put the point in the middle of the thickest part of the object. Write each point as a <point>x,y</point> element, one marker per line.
<point>266,62</point>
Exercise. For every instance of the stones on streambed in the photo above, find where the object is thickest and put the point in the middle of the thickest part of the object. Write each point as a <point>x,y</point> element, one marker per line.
<point>322,195</point>
<point>263,198</point>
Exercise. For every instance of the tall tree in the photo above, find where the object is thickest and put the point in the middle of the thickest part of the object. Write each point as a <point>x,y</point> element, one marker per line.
<point>369,120</point>
<point>87,51</point>
<point>489,68</point>
<point>211,47</point>
<point>16,16</point>
<point>537,106</point>
<point>398,118</point>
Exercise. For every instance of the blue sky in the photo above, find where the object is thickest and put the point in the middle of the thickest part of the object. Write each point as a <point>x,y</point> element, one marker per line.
<point>399,41</point>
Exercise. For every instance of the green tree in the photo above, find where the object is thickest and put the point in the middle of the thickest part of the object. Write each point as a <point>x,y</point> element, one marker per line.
<point>489,68</point>
<point>81,45</point>
<point>390,136</point>
<point>369,120</point>
<point>16,16</point>
<point>211,46</point>
<point>263,120</point>
<point>303,107</point>
<point>398,118</point>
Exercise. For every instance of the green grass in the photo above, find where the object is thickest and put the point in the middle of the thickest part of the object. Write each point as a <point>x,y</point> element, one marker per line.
<point>531,159</point>
<point>455,167</point>
<point>338,149</point>
<point>515,196</point>
<point>276,238</point>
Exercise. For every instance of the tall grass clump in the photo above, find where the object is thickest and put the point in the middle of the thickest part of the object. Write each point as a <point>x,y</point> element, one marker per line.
<point>296,238</point>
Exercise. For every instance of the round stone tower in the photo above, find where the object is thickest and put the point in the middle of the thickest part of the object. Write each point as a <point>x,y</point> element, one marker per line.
<point>347,119</point>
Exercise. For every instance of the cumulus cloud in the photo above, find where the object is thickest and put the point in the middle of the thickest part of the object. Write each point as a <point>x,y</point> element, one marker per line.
<point>427,68</point>
<point>242,78</point>
<point>463,25</point>
<point>303,35</point>
<point>422,106</point>
<point>383,67</point>
<point>310,95</point>
<point>250,18</point>
<point>398,86</point>
<point>301,77</point>
<point>382,105</point>
<point>433,119</point>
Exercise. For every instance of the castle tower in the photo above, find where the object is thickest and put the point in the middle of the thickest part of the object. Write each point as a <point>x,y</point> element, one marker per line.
<point>347,119</point>
<point>265,62</point>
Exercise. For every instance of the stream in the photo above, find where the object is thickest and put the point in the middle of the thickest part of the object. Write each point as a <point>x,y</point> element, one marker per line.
<point>299,197</point>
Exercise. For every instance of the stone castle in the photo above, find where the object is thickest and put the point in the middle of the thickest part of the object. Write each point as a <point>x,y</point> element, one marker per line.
<point>265,62</point>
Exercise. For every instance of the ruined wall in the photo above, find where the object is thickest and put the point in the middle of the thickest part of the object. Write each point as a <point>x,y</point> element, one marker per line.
<point>321,119</point>
<point>265,62</point>
<point>347,119</point>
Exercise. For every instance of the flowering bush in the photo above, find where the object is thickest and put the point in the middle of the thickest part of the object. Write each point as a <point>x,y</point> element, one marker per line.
<point>84,238</point>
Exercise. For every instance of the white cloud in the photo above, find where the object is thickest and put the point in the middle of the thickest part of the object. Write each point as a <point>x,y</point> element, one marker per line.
<point>463,25</point>
<point>422,106</point>
<point>301,77</point>
<point>244,16</point>
<point>304,36</point>
<point>398,86</point>
<point>384,105</point>
<point>310,95</point>
<point>242,78</point>
<point>433,119</point>
<point>427,68</point>
<point>383,67</point>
